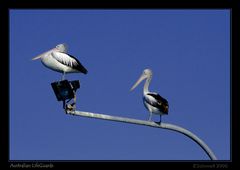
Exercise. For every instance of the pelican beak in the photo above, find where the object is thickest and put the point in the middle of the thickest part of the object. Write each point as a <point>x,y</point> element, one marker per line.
<point>142,77</point>
<point>41,55</point>
<point>35,58</point>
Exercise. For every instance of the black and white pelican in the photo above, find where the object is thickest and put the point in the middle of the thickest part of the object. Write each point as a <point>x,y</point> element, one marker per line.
<point>58,60</point>
<point>154,103</point>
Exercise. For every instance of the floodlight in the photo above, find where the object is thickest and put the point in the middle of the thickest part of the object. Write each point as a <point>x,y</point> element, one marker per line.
<point>65,89</point>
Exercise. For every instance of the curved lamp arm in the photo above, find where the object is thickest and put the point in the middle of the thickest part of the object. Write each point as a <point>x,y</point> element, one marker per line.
<point>168,126</point>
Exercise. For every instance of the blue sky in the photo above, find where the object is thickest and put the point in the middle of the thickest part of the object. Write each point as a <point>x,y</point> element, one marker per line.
<point>187,50</point>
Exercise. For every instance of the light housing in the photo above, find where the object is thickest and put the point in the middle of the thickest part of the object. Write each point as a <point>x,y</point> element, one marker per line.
<point>65,89</point>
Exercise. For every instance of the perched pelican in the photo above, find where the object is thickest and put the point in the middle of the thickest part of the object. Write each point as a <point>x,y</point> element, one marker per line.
<point>58,60</point>
<point>152,101</point>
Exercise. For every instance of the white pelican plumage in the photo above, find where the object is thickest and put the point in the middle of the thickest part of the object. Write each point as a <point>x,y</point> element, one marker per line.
<point>58,60</point>
<point>152,101</point>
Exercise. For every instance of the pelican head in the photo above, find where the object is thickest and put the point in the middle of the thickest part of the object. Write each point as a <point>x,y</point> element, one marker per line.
<point>147,74</point>
<point>60,47</point>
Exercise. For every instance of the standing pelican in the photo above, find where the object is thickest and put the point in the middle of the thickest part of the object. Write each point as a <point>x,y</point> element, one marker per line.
<point>58,60</point>
<point>152,101</point>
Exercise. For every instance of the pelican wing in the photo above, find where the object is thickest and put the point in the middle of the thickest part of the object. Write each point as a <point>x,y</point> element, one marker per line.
<point>158,101</point>
<point>69,60</point>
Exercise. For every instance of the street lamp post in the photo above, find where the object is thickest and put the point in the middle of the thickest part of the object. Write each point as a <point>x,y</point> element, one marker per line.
<point>168,126</point>
<point>67,90</point>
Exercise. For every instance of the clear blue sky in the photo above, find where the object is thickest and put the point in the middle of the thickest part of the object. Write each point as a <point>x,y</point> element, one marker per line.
<point>187,50</point>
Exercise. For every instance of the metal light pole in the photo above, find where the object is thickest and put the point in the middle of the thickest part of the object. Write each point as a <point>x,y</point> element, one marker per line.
<point>168,126</point>
<point>66,90</point>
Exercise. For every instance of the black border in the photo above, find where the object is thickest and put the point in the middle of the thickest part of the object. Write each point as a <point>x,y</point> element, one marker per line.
<point>75,4</point>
